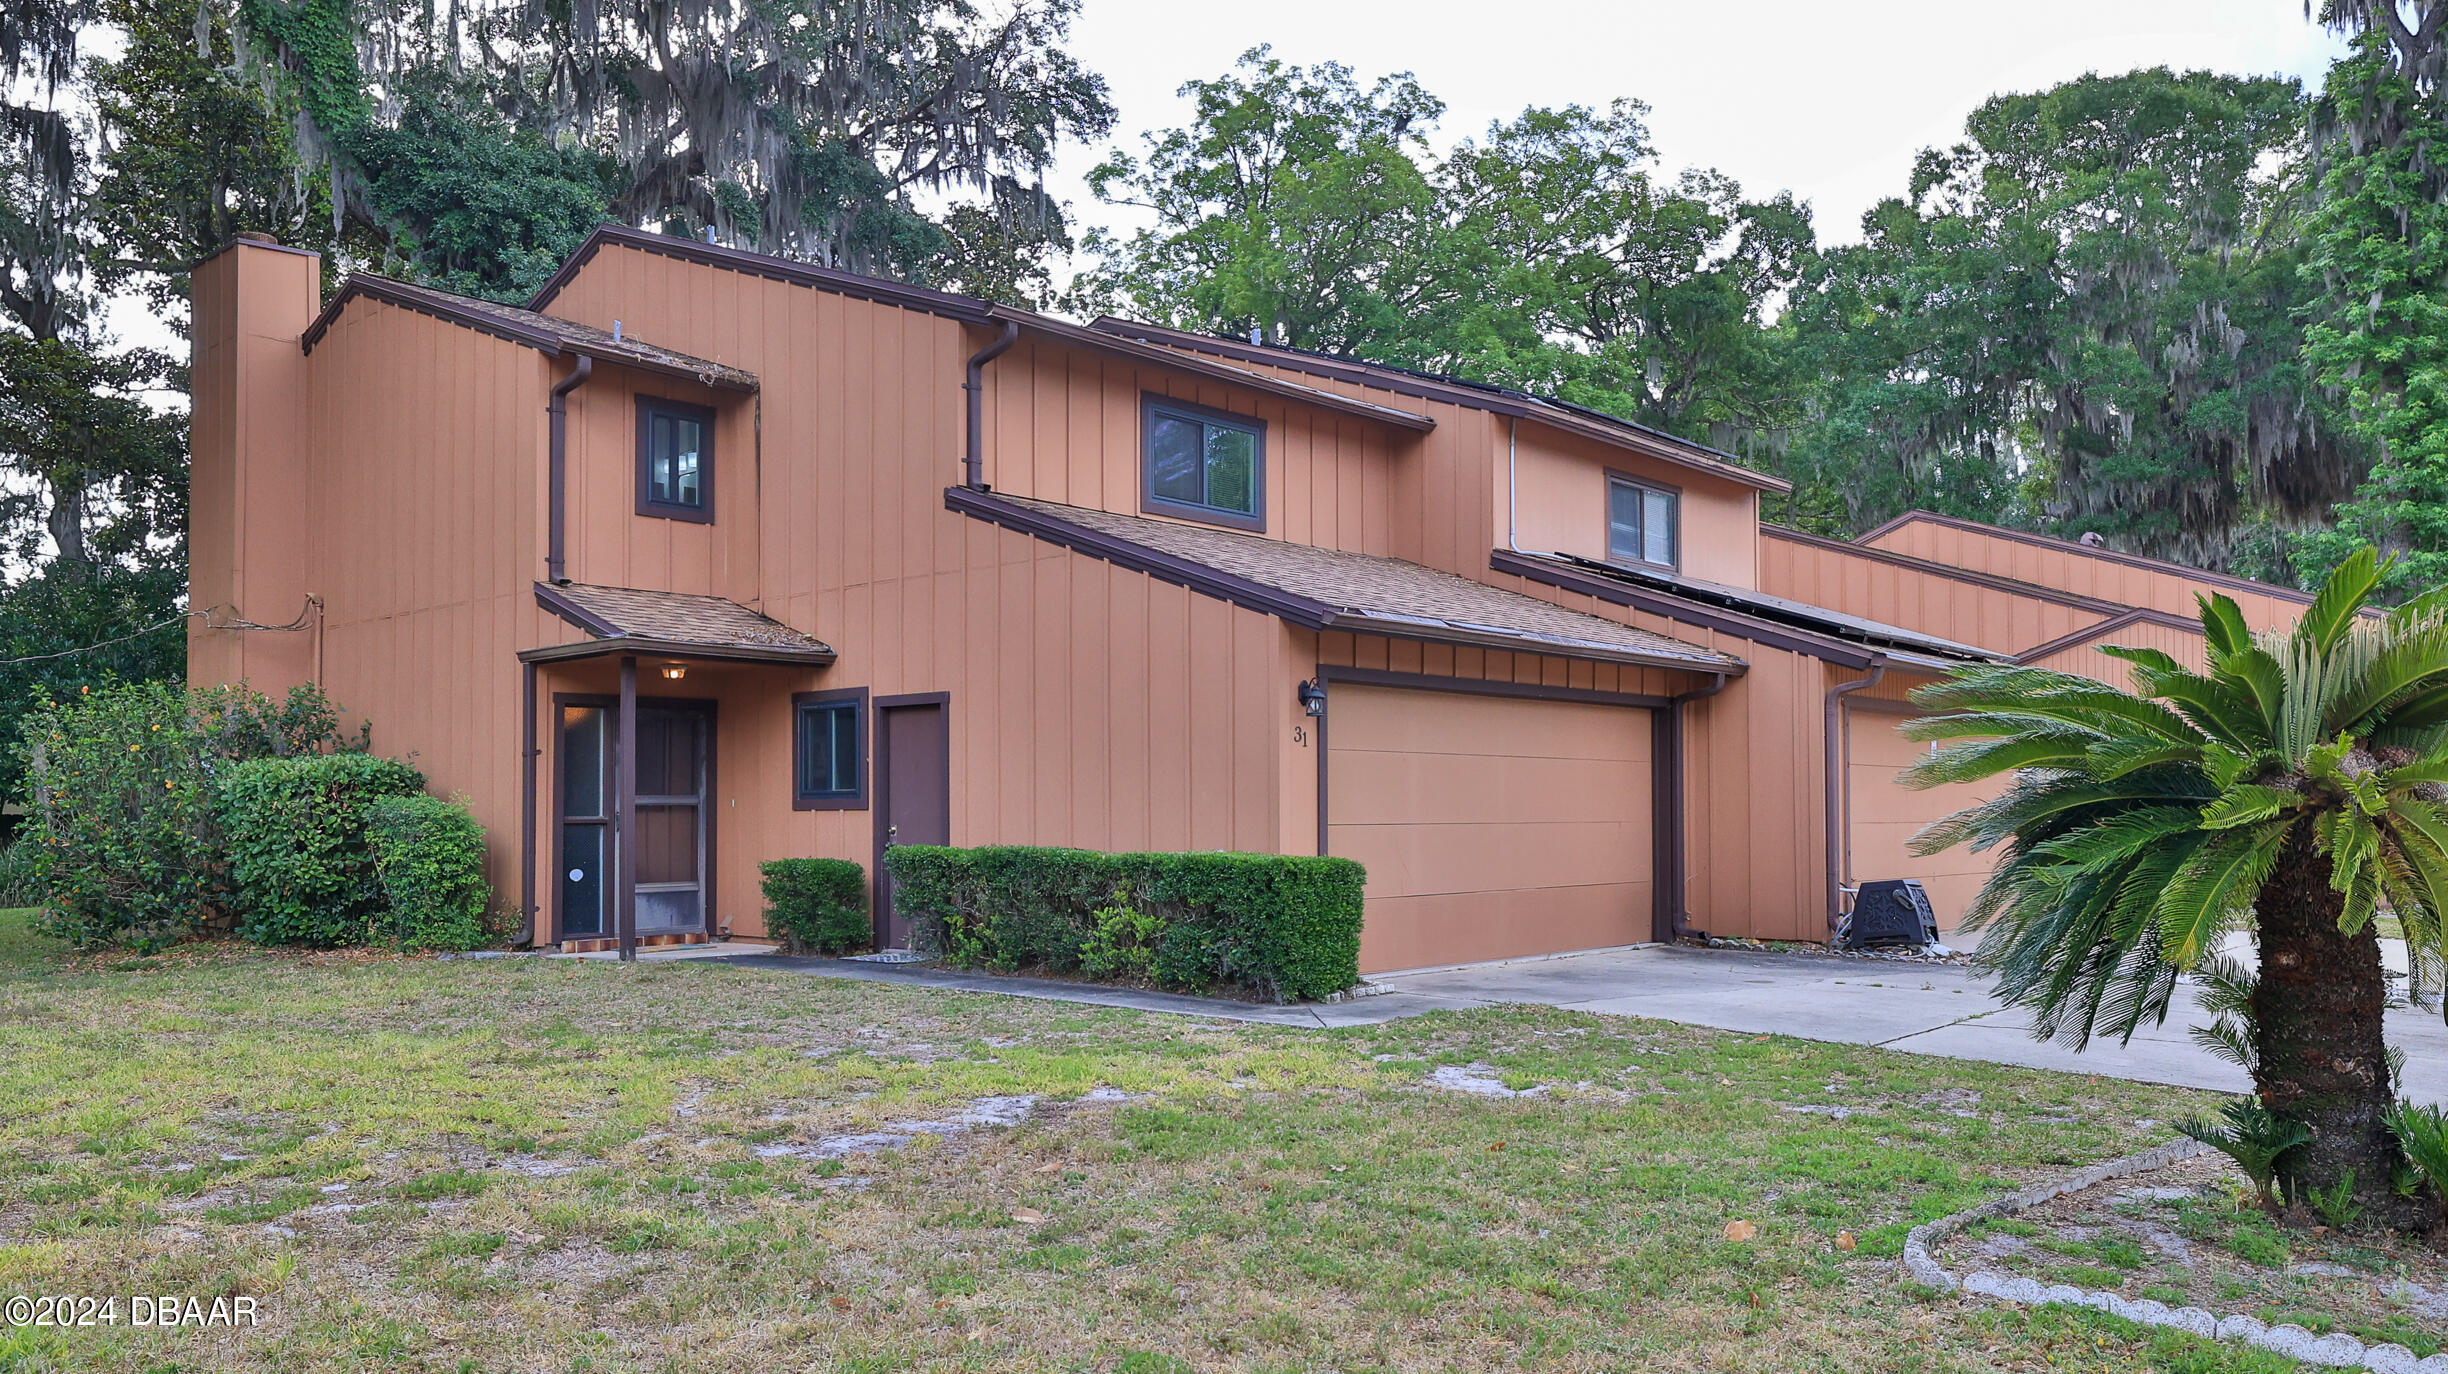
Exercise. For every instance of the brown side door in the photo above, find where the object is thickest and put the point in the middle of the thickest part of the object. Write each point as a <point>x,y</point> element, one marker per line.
<point>914,793</point>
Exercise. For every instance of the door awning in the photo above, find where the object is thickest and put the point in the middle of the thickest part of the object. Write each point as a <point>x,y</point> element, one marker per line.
<point>630,620</point>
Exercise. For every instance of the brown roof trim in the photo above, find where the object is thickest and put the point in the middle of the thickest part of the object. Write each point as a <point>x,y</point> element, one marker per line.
<point>1828,648</point>
<point>611,639</point>
<point>2135,616</point>
<point>676,648</point>
<point>965,309</point>
<point>1291,607</point>
<point>2132,560</point>
<point>1993,581</point>
<point>766,265</point>
<point>552,599</point>
<point>1176,360</point>
<point>1620,433</point>
<point>441,305</point>
<point>1485,687</point>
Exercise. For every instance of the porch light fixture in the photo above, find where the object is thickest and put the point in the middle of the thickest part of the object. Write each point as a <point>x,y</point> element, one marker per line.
<point>1313,698</point>
<point>675,672</point>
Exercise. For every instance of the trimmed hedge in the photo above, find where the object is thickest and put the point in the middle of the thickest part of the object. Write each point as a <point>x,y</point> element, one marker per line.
<point>1280,926</point>
<point>429,860</point>
<point>817,906</point>
<point>299,861</point>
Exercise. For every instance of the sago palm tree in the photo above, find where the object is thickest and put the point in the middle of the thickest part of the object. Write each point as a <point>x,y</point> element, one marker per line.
<point>2295,789</point>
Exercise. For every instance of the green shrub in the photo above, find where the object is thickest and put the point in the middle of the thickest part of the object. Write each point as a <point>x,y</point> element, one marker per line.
<point>2256,1138</point>
<point>17,875</point>
<point>429,861</point>
<point>817,906</point>
<point>301,870</point>
<point>123,840</point>
<point>1279,926</point>
<point>2422,1132</point>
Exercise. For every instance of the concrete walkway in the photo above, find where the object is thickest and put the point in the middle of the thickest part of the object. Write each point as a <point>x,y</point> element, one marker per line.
<point>1933,1009</point>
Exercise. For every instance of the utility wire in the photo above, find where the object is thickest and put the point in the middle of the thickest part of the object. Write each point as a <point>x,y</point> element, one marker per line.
<point>89,648</point>
<point>304,614</point>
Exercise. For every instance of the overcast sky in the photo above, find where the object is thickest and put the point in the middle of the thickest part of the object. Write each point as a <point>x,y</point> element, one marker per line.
<point>1825,98</point>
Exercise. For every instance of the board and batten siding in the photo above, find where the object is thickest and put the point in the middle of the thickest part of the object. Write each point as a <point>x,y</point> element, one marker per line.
<point>1559,482</point>
<point>2052,563</point>
<point>1089,705</point>
<point>1823,573</point>
<point>422,527</point>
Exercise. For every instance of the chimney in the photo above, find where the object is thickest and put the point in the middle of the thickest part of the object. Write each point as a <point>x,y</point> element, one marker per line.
<point>246,478</point>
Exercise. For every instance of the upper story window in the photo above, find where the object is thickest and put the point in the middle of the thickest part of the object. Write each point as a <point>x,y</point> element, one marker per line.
<point>1202,464</point>
<point>1643,522</point>
<point>675,460</point>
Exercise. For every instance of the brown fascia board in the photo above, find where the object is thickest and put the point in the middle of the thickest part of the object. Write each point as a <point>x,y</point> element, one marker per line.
<point>549,344</point>
<point>1291,607</point>
<point>610,639</point>
<point>1617,433</point>
<point>1842,653</point>
<point>966,309</point>
<point>2138,615</point>
<point>675,648</point>
<point>1176,360</point>
<point>2229,581</point>
<point>1972,577</point>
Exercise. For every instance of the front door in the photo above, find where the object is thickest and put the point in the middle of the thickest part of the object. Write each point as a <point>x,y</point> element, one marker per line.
<point>914,777</point>
<point>672,744</point>
<point>670,831</point>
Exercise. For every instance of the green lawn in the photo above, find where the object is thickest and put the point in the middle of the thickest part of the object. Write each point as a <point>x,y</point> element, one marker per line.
<point>528,1164</point>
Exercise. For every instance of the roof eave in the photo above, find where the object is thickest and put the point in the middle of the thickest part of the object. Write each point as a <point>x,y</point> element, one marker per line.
<point>550,345</point>
<point>1649,443</point>
<point>642,647</point>
<point>1178,360</point>
<point>1291,607</point>
<point>1432,632</point>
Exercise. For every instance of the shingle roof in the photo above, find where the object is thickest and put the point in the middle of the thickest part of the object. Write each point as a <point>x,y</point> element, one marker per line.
<point>546,332</point>
<point>680,624</point>
<point>1332,589</point>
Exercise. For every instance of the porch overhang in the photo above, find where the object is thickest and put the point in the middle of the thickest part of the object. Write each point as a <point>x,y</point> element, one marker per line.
<point>623,622</point>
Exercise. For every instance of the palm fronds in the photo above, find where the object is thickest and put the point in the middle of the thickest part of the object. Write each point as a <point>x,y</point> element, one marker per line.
<point>2139,827</point>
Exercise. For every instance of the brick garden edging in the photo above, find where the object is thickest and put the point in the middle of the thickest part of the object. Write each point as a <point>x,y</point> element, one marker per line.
<point>2337,1351</point>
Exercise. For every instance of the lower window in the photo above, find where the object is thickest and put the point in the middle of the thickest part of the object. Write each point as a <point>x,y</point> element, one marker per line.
<point>829,750</point>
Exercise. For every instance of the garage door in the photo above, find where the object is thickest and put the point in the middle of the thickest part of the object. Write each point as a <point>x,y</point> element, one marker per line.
<point>1491,827</point>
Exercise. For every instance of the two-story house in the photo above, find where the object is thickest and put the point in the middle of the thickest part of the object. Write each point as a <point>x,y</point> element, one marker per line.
<point>707,557</point>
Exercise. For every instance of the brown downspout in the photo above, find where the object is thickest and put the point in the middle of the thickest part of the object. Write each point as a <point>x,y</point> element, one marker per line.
<point>1674,883</point>
<point>973,454</point>
<point>527,807</point>
<point>557,548</point>
<point>1839,787</point>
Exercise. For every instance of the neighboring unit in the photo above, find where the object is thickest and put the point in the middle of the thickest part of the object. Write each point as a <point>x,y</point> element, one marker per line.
<point>707,558</point>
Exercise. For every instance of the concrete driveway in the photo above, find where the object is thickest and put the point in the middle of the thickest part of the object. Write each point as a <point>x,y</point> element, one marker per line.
<point>1938,1009</point>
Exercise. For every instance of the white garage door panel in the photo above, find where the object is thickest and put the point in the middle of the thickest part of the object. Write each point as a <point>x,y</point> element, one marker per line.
<point>1491,827</point>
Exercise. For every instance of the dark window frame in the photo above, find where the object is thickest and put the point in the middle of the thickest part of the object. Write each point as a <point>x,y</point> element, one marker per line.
<point>1151,406</point>
<point>1616,479</point>
<point>860,716</point>
<point>648,407</point>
